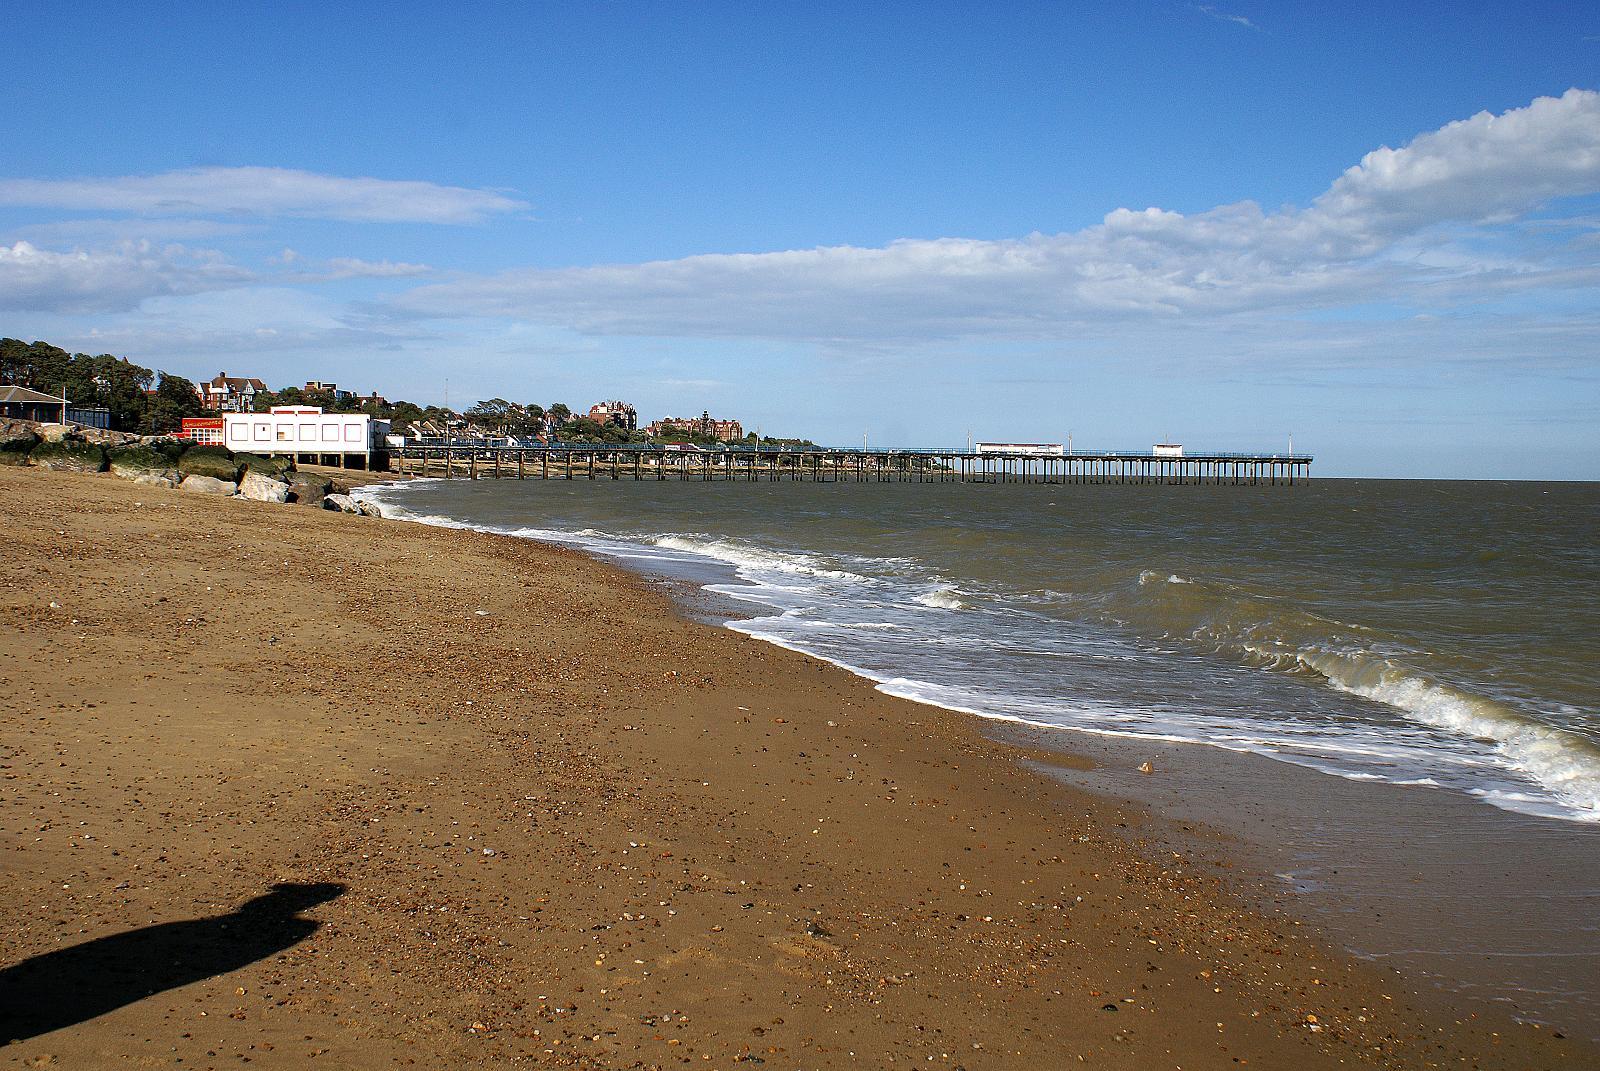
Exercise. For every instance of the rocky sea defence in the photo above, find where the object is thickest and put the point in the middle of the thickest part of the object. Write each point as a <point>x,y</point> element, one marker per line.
<point>165,461</point>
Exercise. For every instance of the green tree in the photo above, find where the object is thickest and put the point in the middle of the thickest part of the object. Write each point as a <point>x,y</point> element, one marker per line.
<point>114,382</point>
<point>403,413</point>
<point>175,399</point>
<point>492,413</point>
<point>120,386</point>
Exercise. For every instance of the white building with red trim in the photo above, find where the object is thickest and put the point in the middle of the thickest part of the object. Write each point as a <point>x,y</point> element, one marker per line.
<point>303,432</point>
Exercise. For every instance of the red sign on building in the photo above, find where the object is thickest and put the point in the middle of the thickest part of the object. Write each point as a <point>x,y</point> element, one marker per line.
<point>205,431</point>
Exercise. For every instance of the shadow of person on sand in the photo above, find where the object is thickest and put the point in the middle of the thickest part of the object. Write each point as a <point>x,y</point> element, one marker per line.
<point>72,985</point>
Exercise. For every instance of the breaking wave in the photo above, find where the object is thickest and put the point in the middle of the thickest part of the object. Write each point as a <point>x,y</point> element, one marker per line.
<point>1360,661</point>
<point>748,556</point>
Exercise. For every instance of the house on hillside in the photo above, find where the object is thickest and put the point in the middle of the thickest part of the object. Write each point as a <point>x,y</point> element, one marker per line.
<point>621,414</point>
<point>230,394</point>
<point>705,424</point>
<point>328,392</point>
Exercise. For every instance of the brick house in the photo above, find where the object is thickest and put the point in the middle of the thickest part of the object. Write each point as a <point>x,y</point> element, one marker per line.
<point>230,394</point>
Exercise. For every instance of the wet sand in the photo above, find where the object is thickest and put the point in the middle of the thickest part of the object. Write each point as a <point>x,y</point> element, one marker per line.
<point>1501,909</point>
<point>493,801</point>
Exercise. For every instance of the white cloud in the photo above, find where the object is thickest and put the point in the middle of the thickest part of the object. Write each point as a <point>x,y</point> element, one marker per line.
<point>1403,224</point>
<point>1211,12</point>
<point>307,271</point>
<point>101,231</point>
<point>252,330</point>
<point>40,279</point>
<point>123,275</point>
<point>263,191</point>
<point>356,268</point>
<point>1477,169</point>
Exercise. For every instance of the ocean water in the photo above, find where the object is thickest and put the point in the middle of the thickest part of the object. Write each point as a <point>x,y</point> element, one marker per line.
<point>1442,634</point>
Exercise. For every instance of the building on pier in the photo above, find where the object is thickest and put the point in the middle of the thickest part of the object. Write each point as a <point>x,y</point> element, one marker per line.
<point>1001,463</point>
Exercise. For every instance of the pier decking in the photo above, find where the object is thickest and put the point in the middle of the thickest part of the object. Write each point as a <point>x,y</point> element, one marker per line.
<point>751,464</point>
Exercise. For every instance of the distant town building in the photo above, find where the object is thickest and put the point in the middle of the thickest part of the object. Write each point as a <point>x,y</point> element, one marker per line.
<point>620,414</point>
<point>453,433</point>
<point>316,388</point>
<point>230,394</point>
<point>705,424</point>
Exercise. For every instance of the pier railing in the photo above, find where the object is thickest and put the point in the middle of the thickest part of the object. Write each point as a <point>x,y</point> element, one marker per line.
<point>648,461</point>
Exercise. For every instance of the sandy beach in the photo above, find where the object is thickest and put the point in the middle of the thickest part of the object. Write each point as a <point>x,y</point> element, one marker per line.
<point>283,784</point>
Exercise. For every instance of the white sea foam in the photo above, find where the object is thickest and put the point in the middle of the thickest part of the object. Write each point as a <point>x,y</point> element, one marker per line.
<point>1562,761</point>
<point>1149,576</point>
<point>941,598</point>
<point>755,558</point>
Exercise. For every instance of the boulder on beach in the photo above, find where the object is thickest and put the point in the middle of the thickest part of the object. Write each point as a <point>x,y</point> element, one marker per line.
<point>261,488</point>
<point>143,464</point>
<point>212,461</point>
<point>207,485</point>
<point>156,479</point>
<point>55,433</point>
<point>16,439</point>
<point>68,456</point>
<point>369,509</point>
<point>309,489</point>
<point>342,503</point>
<point>170,445</point>
<point>104,436</point>
<point>277,467</point>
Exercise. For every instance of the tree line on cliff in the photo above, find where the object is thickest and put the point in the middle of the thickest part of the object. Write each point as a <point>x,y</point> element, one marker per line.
<point>115,383</point>
<point>152,402</point>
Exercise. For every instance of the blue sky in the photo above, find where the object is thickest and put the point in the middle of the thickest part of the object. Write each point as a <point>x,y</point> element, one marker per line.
<point>913,221</point>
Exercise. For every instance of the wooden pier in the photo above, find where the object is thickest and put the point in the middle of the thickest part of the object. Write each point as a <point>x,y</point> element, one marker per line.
<point>749,464</point>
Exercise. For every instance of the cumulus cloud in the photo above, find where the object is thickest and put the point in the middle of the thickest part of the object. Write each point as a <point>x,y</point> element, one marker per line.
<point>125,274</point>
<point>120,277</point>
<point>1477,169</point>
<point>1377,233</point>
<point>263,192</point>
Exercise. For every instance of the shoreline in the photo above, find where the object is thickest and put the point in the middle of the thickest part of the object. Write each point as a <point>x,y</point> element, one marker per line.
<point>595,823</point>
<point>1341,855</point>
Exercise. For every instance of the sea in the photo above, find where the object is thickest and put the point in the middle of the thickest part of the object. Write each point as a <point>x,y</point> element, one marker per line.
<point>1432,636</point>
